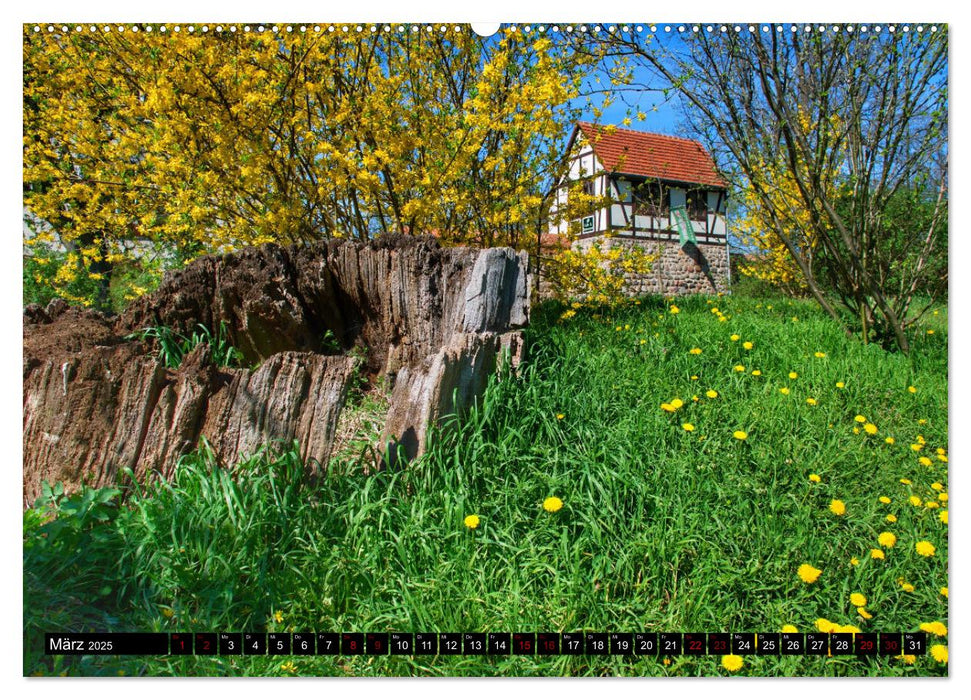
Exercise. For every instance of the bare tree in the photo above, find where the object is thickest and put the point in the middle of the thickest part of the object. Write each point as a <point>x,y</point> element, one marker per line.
<point>851,120</point>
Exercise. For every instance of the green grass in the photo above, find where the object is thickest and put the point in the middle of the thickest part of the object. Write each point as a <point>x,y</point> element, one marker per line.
<point>661,529</point>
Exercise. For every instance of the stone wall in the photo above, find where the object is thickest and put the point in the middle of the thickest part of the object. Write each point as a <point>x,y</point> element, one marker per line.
<point>696,269</point>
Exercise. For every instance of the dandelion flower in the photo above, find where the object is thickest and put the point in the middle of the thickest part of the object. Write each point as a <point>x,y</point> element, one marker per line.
<point>943,591</point>
<point>792,375</point>
<point>888,540</point>
<point>735,337</point>
<point>912,390</point>
<point>943,498</point>
<point>784,391</point>
<point>942,458</point>
<point>932,505</point>
<point>925,461</point>
<point>815,478</point>
<point>688,427</point>
<point>916,502</point>
<point>889,440</point>
<point>789,629</point>
<point>674,309</point>
<point>756,373</point>
<point>732,662</point>
<point>877,554</point>
<point>858,599</point>
<point>943,517</point>
<point>891,518</point>
<point>862,612</point>
<point>824,625</point>
<point>840,385</point>
<point>668,407</point>
<point>909,587</point>
<point>808,573</point>
<point>677,403</point>
<point>939,652</point>
<point>695,351</point>
<point>560,416</point>
<point>747,345</point>
<point>711,394</point>
<point>471,521</point>
<point>916,447</point>
<point>820,354</point>
<point>905,482</point>
<point>837,507</point>
<point>552,504</point>
<point>811,401</point>
<point>854,562</point>
<point>908,659</point>
<point>860,419</point>
<point>936,628</point>
<point>870,428</point>
<point>278,616</point>
<point>925,548</point>
<point>847,628</point>
<point>740,435</point>
<point>739,368</point>
<point>885,500</point>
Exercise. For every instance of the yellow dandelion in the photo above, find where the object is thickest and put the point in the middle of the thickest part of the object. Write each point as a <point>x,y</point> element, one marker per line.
<point>884,499</point>
<point>925,548</point>
<point>840,385</point>
<point>925,461</point>
<point>943,516</point>
<point>688,427</point>
<point>820,354</point>
<point>870,428</point>
<point>916,502</point>
<point>932,505</point>
<point>784,391</point>
<point>735,337</point>
<point>889,440</point>
<point>858,599</point>
<point>877,554</point>
<point>824,625</point>
<point>847,628</point>
<point>939,652</point>
<point>811,401</point>
<point>695,351</point>
<point>942,458</point>
<point>789,629</point>
<point>854,562</point>
<point>732,662</point>
<point>912,390</point>
<point>943,591</point>
<point>668,407</point>
<point>677,403</point>
<point>905,482</point>
<point>856,431</point>
<point>908,659</point>
<point>471,521</point>
<point>739,368</point>
<point>837,507</point>
<point>792,375</point>
<point>936,628</point>
<point>891,518</point>
<point>560,416</point>
<point>815,478</point>
<point>711,394</point>
<point>694,377</point>
<point>756,373</point>
<point>552,504</point>
<point>944,497</point>
<point>860,419</point>
<point>808,573</point>
<point>168,612</point>
<point>674,309</point>
<point>747,345</point>
<point>740,435</point>
<point>888,540</point>
<point>278,616</point>
<point>862,612</point>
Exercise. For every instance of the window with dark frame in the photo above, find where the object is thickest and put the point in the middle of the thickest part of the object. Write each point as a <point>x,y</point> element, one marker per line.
<point>652,199</point>
<point>697,205</point>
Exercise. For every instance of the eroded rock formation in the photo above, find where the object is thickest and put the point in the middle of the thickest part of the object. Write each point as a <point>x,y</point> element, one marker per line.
<point>307,319</point>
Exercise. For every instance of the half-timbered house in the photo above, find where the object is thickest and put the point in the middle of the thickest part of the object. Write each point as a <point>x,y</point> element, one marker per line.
<point>659,192</point>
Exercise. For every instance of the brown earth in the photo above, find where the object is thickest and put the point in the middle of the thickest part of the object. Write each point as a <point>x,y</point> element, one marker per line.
<point>307,320</point>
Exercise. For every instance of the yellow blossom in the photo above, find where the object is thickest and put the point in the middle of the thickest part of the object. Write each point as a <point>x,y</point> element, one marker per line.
<point>840,385</point>
<point>808,573</point>
<point>858,599</point>
<point>876,554</point>
<point>905,482</point>
<point>789,629</point>
<point>732,662</point>
<point>884,499</point>
<point>695,351</point>
<point>936,628</point>
<point>688,427</point>
<point>552,504</point>
<point>735,337</point>
<point>784,391</point>
<point>925,548</point>
<point>915,501</point>
<point>889,440</point>
<point>792,375</point>
<point>912,390</point>
<point>674,309</point>
<point>740,435</point>
<point>820,354</point>
<point>837,507</point>
<point>739,368</point>
<point>811,401</point>
<point>815,478</point>
<point>891,518</point>
<point>925,461</point>
<point>854,561</point>
<point>824,625</point>
<point>747,345</point>
<point>471,521</point>
<point>943,591</point>
<point>939,652</point>
<point>862,612</point>
<point>711,394</point>
<point>870,428</point>
<point>943,516</point>
<point>888,540</point>
<point>860,419</point>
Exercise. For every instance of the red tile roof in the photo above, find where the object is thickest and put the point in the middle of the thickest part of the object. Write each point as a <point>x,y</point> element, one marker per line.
<point>651,155</point>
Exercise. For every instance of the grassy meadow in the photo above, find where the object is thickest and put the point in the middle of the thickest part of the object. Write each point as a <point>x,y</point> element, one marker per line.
<point>704,450</point>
